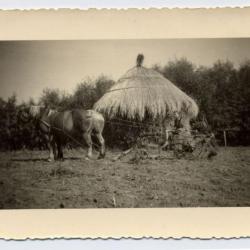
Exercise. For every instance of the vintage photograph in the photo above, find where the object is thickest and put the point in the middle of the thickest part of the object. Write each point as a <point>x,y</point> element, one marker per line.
<point>161,123</point>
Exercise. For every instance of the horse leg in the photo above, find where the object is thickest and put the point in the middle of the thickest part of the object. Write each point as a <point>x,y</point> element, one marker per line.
<point>87,138</point>
<point>53,143</point>
<point>102,143</point>
<point>50,147</point>
<point>60,152</point>
<point>59,149</point>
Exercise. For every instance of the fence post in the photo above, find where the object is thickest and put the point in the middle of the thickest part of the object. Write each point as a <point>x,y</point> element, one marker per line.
<point>225,137</point>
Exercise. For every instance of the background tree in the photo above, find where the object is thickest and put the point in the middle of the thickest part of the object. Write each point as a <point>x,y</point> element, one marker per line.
<point>51,98</point>
<point>243,103</point>
<point>222,92</point>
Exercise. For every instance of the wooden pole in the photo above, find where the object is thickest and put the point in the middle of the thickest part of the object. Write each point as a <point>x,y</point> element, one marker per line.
<point>225,137</point>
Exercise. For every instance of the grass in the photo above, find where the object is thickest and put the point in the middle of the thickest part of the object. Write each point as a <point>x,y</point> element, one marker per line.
<point>27,180</point>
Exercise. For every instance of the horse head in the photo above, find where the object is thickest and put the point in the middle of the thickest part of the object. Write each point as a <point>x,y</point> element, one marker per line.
<point>32,112</point>
<point>23,114</point>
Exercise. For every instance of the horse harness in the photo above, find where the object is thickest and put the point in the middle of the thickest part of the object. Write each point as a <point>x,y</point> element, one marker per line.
<point>63,130</point>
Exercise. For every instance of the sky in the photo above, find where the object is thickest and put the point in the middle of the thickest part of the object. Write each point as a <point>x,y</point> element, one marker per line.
<point>28,67</point>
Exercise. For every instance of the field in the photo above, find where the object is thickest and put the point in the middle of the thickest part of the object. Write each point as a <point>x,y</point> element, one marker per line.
<point>27,180</point>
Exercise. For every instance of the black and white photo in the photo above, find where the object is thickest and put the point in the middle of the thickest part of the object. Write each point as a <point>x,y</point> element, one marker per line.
<point>126,123</point>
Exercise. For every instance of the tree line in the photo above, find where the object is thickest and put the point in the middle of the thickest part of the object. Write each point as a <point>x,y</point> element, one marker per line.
<point>222,92</point>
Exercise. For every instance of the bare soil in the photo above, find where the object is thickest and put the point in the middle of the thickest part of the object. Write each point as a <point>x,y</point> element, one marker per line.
<point>27,180</point>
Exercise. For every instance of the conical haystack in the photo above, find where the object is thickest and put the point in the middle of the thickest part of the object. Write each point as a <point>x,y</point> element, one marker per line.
<point>143,91</point>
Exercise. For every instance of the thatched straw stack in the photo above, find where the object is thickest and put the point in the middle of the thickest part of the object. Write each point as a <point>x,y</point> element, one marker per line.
<point>141,92</point>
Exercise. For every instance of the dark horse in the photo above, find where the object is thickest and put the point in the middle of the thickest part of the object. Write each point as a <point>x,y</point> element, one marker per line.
<point>60,126</point>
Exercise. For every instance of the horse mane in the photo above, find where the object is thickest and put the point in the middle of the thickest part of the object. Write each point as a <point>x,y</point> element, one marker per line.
<point>52,111</point>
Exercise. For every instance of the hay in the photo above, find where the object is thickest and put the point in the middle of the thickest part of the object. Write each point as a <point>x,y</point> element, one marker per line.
<point>144,91</point>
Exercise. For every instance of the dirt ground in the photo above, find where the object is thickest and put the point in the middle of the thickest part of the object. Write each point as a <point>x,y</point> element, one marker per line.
<point>27,180</point>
